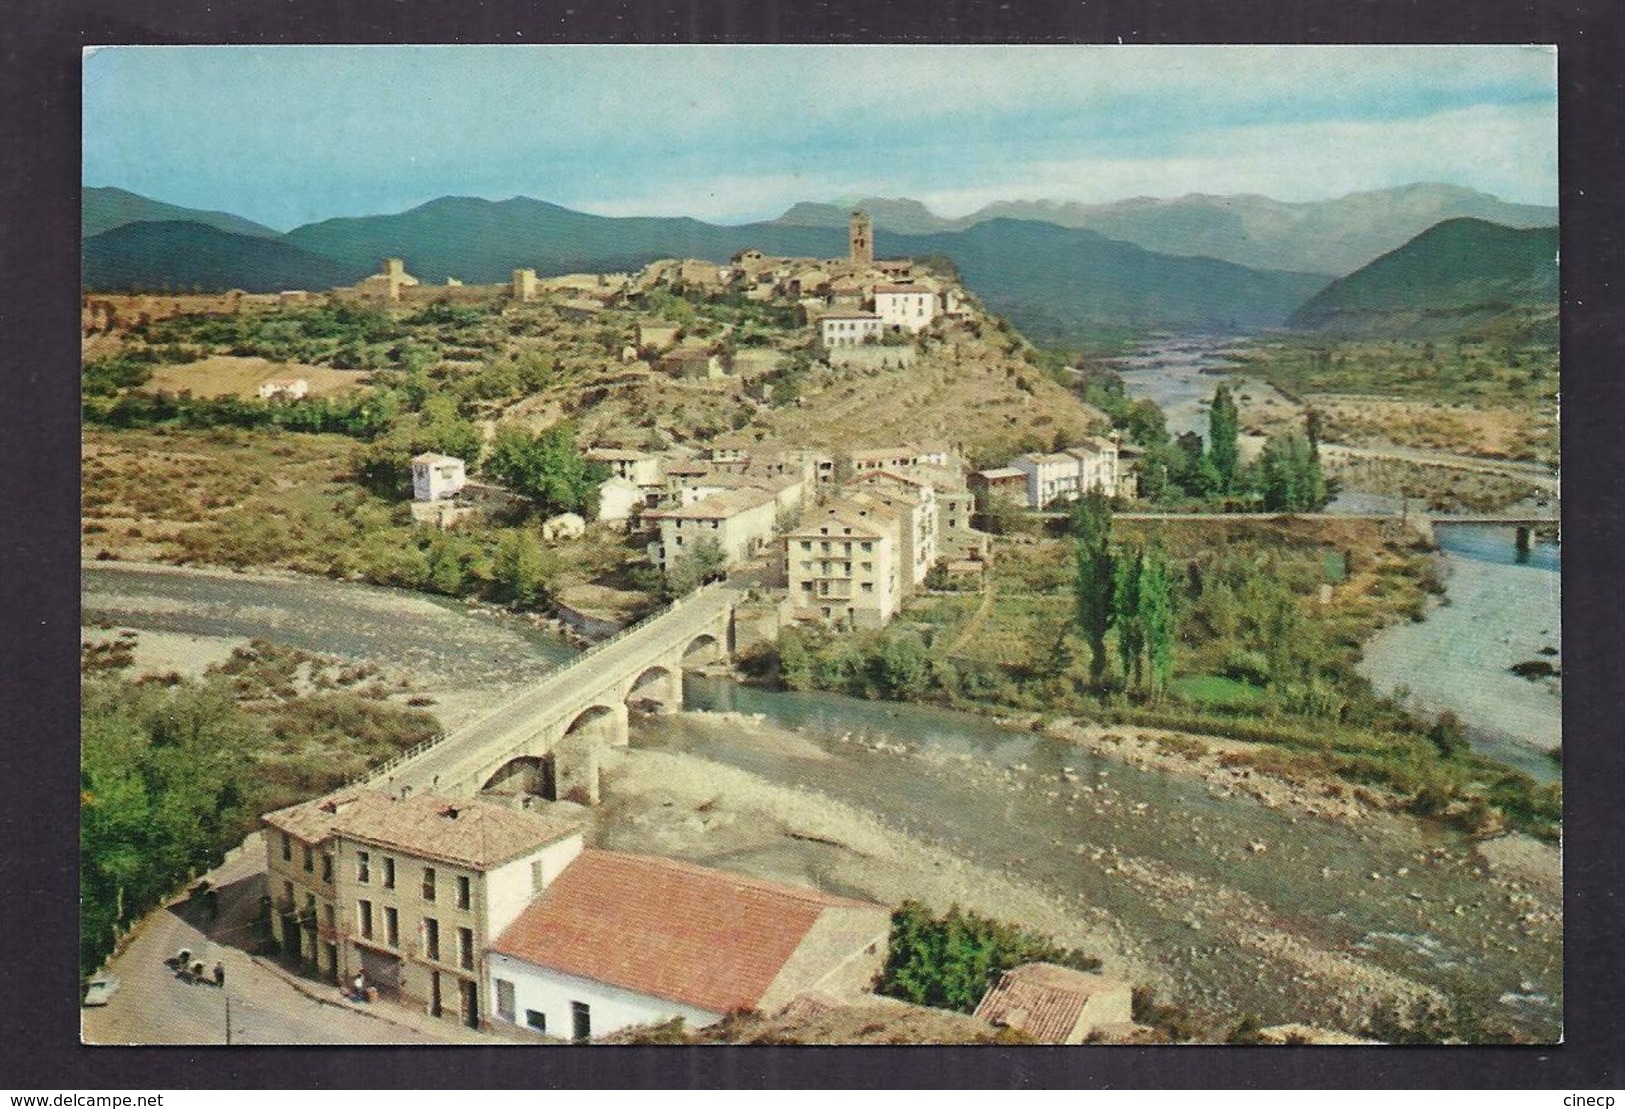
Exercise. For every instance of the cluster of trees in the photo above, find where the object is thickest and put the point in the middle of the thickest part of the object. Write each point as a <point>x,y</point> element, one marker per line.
<point>1286,478</point>
<point>172,773</point>
<point>1129,590</point>
<point>358,417</point>
<point>345,336</point>
<point>547,468</point>
<point>948,962</point>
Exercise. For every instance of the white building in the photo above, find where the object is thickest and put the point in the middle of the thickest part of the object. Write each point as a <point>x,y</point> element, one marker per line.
<point>915,504</point>
<point>566,525</point>
<point>618,499</point>
<point>1097,466</point>
<point>621,940</point>
<point>848,329</point>
<point>437,476</point>
<point>638,467</point>
<point>1050,477</point>
<point>910,307</point>
<point>845,565</point>
<point>741,522</point>
<point>291,387</point>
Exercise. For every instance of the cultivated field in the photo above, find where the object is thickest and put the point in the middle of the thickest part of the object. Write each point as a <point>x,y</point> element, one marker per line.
<point>225,375</point>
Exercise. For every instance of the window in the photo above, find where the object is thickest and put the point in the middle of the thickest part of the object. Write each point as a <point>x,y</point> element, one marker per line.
<point>363,867</point>
<point>465,948</point>
<point>580,1021</point>
<point>327,867</point>
<point>465,895</point>
<point>287,848</point>
<point>867,547</point>
<point>330,917</point>
<point>389,873</point>
<point>431,938</point>
<point>868,565</point>
<point>806,545</point>
<point>364,912</point>
<point>392,926</point>
<point>505,1007</point>
<point>428,883</point>
<point>310,858</point>
<point>536,1019</point>
<point>868,587</point>
<point>287,896</point>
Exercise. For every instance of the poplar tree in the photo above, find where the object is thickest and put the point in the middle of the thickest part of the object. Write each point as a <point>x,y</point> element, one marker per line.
<point>1223,437</point>
<point>1095,587</point>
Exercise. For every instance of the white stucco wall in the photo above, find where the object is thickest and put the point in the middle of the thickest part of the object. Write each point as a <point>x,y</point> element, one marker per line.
<point>510,887</point>
<point>611,1008</point>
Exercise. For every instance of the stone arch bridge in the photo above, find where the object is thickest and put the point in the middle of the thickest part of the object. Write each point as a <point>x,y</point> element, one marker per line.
<point>547,739</point>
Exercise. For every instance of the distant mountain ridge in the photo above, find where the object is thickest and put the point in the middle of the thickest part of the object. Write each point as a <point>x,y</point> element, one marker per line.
<point>1062,283</point>
<point>182,255</point>
<point>1457,275</point>
<point>1057,283</point>
<point>1332,237</point>
<point>103,209</point>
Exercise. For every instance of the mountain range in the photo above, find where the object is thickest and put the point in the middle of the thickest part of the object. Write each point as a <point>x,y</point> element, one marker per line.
<point>1332,237</point>
<point>1451,277</point>
<point>1057,283</point>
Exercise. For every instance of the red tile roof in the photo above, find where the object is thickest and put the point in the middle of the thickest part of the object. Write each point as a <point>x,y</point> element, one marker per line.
<point>1042,999</point>
<point>702,937</point>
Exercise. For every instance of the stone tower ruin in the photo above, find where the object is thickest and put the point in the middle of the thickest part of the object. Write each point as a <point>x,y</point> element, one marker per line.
<point>863,240</point>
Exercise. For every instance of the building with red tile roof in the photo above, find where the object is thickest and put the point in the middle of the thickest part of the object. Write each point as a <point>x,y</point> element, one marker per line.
<point>619,940</point>
<point>1055,1004</point>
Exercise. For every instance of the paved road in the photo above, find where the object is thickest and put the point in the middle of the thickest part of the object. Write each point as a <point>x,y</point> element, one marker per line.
<point>465,750</point>
<point>152,1006</point>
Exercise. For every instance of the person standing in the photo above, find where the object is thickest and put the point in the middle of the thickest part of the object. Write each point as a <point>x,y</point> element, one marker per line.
<point>220,974</point>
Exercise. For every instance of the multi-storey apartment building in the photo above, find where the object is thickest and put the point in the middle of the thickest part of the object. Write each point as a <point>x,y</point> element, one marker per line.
<point>843,565</point>
<point>409,893</point>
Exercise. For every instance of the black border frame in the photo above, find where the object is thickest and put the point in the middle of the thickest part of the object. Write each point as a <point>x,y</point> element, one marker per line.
<point>40,181</point>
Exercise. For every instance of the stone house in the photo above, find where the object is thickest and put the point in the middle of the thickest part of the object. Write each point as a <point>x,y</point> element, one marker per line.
<point>620,940</point>
<point>741,521</point>
<point>408,893</point>
<point>638,467</point>
<point>1002,482</point>
<point>1055,1004</point>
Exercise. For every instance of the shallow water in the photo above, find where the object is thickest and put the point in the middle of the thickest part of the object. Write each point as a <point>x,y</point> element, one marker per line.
<point>1000,796</point>
<point>1501,608</point>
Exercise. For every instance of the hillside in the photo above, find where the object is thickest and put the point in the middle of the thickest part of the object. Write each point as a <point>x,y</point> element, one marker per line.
<point>1058,284</point>
<point>477,240</point>
<point>103,209</point>
<point>1460,275</point>
<point>184,256</point>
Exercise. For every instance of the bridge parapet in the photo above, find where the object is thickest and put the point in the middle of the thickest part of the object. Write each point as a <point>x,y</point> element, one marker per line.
<point>472,729</point>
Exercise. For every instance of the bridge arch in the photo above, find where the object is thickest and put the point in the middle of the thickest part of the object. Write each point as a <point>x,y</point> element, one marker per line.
<point>525,774</point>
<point>576,755</point>
<point>659,687</point>
<point>703,650</point>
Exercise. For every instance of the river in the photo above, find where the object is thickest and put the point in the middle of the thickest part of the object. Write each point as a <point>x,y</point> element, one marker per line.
<point>1246,907</point>
<point>1237,906</point>
<point>1497,609</point>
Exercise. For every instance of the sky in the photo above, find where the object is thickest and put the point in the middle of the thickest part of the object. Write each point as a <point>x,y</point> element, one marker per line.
<point>290,135</point>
